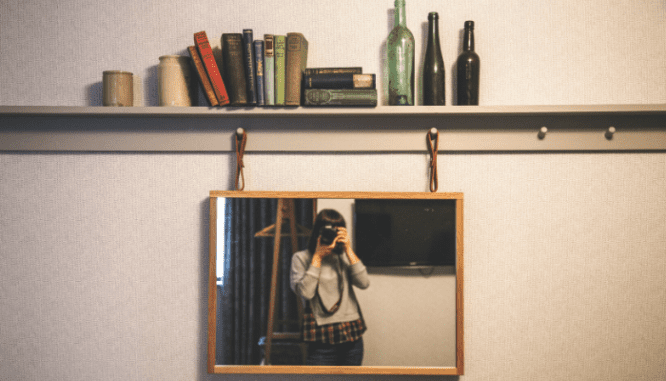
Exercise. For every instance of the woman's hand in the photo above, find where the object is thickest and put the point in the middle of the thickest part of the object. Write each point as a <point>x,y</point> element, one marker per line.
<point>343,236</point>
<point>322,251</point>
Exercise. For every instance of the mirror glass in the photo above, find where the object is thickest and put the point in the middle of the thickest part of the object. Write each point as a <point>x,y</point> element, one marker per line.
<point>410,245</point>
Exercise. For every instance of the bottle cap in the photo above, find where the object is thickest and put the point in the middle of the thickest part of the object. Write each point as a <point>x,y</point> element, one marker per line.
<point>433,16</point>
<point>469,24</point>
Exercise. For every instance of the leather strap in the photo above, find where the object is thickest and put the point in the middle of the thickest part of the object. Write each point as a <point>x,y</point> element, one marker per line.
<point>241,140</point>
<point>433,144</point>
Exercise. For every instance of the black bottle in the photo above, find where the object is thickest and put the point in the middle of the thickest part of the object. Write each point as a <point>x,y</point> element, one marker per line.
<point>433,68</point>
<point>468,69</point>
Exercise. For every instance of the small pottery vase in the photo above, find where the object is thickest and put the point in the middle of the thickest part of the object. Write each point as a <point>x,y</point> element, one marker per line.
<point>117,88</point>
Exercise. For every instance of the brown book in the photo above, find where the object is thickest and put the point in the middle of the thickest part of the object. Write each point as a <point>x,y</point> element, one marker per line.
<point>297,56</point>
<point>234,68</point>
<point>201,41</point>
<point>203,77</point>
<point>339,81</point>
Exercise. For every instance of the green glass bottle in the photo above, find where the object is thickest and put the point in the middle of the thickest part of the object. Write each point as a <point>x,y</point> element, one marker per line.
<point>401,60</point>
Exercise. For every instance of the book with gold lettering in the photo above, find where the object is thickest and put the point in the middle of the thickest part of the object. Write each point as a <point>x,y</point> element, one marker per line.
<point>259,71</point>
<point>248,59</point>
<point>333,70</point>
<point>340,97</point>
<point>202,43</point>
<point>269,69</point>
<point>233,68</point>
<point>297,55</point>
<point>280,60</point>
<point>203,76</point>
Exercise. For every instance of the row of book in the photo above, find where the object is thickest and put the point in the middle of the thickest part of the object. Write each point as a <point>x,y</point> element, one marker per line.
<point>273,72</point>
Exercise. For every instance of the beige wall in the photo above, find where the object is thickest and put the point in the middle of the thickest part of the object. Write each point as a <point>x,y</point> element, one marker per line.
<point>103,256</point>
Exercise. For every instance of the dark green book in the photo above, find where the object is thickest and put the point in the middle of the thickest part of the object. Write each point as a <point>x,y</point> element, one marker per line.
<point>233,71</point>
<point>340,97</point>
<point>249,61</point>
<point>333,70</point>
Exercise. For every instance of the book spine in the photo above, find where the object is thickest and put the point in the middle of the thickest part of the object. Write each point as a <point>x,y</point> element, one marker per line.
<point>280,64</point>
<point>259,71</point>
<point>201,41</point>
<point>269,70</point>
<point>248,52</point>
<point>203,77</point>
<point>339,81</point>
<point>234,70</point>
<point>340,97</point>
<point>297,53</point>
<point>333,70</point>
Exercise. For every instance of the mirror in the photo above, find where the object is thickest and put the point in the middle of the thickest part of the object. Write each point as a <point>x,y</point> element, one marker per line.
<point>413,307</point>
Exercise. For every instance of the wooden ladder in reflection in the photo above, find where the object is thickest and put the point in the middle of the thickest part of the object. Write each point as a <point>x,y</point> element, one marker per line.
<point>285,213</point>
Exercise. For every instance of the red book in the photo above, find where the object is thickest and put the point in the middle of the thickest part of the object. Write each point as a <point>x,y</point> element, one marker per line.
<point>203,76</point>
<point>201,40</point>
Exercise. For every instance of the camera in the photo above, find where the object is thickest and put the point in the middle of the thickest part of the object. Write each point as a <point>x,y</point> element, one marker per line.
<point>328,234</point>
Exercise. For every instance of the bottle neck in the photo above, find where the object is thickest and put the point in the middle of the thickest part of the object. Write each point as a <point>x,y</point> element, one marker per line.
<point>433,30</point>
<point>468,39</point>
<point>400,17</point>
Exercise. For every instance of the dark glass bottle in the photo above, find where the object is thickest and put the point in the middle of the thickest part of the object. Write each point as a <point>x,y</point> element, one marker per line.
<point>434,91</point>
<point>468,69</point>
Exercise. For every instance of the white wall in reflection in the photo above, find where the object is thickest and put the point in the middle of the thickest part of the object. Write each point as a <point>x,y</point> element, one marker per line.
<point>410,313</point>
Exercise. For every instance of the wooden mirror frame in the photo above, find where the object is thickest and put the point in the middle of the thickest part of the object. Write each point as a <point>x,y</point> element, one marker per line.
<point>303,369</point>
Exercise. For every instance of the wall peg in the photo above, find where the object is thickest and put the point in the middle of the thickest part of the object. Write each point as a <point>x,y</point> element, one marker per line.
<point>610,132</point>
<point>542,133</point>
<point>241,141</point>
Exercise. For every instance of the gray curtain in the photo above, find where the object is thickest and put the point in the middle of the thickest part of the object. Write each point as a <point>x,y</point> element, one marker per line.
<point>244,294</point>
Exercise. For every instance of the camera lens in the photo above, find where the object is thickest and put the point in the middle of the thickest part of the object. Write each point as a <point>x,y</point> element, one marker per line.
<point>328,234</point>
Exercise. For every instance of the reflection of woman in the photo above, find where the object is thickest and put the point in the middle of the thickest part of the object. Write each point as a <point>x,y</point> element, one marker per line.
<point>323,275</point>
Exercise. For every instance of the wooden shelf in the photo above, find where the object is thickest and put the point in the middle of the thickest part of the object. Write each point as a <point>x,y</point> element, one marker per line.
<point>381,129</point>
<point>234,112</point>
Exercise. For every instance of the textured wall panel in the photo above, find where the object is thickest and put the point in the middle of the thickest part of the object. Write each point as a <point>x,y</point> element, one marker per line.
<point>103,256</point>
<point>104,259</point>
<point>547,52</point>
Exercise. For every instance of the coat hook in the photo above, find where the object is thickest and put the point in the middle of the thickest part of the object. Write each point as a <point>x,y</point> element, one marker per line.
<point>432,139</point>
<point>610,132</point>
<point>241,141</point>
<point>542,132</point>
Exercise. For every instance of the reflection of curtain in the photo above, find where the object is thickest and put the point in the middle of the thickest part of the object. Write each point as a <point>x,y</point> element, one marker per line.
<point>246,279</point>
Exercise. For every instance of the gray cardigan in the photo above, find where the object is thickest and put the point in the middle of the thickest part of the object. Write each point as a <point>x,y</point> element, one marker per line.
<point>312,283</point>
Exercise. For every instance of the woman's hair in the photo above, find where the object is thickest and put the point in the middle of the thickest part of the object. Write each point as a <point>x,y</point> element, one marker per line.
<point>325,217</point>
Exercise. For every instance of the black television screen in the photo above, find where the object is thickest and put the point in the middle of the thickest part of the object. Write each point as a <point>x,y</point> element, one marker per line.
<point>407,232</point>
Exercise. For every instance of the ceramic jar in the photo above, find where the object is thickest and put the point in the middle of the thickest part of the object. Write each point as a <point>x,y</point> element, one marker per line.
<point>117,88</point>
<point>175,85</point>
